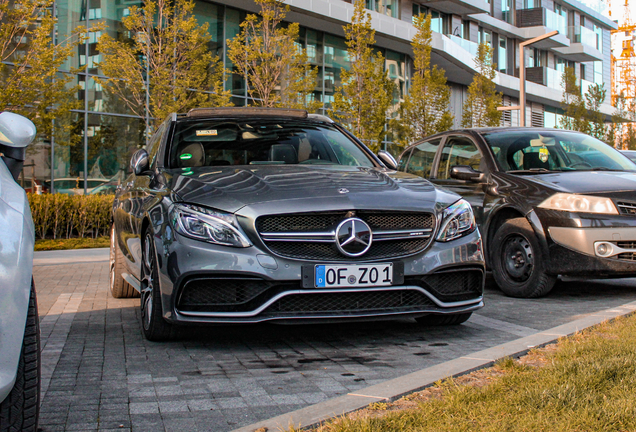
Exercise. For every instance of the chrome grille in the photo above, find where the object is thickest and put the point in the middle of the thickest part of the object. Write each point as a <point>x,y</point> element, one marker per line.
<point>626,207</point>
<point>311,236</point>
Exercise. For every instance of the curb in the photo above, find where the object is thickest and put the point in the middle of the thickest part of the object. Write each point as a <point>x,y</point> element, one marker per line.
<point>70,256</point>
<point>391,390</point>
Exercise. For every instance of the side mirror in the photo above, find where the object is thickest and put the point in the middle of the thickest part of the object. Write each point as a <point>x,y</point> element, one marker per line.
<point>387,159</point>
<point>16,133</point>
<point>465,172</point>
<point>140,162</point>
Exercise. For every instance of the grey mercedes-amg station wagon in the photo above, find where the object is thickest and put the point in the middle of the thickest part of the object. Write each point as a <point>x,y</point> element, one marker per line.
<point>245,215</point>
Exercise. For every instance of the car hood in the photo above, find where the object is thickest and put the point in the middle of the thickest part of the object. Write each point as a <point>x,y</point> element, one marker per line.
<point>297,188</point>
<point>587,182</point>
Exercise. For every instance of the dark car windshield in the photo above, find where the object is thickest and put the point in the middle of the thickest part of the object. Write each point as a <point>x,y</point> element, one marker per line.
<point>262,142</point>
<point>545,151</point>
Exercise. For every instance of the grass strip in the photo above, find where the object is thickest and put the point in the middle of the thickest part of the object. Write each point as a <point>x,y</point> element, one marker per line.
<point>72,243</point>
<point>586,382</point>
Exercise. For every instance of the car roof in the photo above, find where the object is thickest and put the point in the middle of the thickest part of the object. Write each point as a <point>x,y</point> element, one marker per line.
<point>252,112</point>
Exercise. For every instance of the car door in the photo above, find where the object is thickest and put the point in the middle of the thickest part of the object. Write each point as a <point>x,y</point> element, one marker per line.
<point>462,150</point>
<point>131,201</point>
<point>421,158</point>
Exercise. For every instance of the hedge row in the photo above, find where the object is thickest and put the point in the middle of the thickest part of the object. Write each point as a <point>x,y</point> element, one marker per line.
<point>65,216</point>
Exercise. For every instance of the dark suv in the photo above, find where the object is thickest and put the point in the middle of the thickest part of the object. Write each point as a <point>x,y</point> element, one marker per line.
<point>243,215</point>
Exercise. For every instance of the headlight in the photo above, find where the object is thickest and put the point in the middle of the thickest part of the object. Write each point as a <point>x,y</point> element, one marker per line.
<point>579,203</point>
<point>208,225</point>
<point>458,221</point>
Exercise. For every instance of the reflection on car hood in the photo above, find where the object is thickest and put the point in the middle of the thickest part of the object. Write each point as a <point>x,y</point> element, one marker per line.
<point>587,182</point>
<point>305,188</point>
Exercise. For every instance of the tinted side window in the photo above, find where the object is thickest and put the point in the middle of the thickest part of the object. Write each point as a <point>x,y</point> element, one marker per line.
<point>458,151</point>
<point>422,158</point>
<point>403,160</point>
<point>153,144</point>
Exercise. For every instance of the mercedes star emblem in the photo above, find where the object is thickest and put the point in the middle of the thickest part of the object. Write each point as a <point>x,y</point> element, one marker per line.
<point>343,190</point>
<point>353,237</point>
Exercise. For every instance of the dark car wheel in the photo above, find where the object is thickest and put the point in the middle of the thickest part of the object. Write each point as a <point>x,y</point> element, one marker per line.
<point>119,288</point>
<point>21,408</point>
<point>518,264</point>
<point>154,327</point>
<point>443,320</point>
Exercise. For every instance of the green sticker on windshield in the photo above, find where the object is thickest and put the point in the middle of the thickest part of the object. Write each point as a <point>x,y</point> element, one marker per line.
<point>185,156</point>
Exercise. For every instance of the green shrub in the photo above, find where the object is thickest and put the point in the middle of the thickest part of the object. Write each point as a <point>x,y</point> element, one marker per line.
<point>58,215</point>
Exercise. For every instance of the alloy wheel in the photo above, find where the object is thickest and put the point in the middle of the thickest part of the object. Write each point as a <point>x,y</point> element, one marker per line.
<point>147,282</point>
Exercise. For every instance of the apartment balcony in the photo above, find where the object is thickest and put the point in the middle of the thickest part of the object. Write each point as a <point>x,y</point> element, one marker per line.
<point>469,46</point>
<point>545,76</point>
<point>540,21</point>
<point>582,47</point>
<point>459,7</point>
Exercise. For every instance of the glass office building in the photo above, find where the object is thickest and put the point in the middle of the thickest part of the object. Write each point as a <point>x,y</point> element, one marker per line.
<point>100,136</point>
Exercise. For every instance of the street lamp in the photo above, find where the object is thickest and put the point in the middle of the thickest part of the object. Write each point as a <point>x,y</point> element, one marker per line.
<point>522,77</point>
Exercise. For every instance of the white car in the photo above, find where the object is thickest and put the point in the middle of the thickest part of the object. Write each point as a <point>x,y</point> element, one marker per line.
<point>19,325</point>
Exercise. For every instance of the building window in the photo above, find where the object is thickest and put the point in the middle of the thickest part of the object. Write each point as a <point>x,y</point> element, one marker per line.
<point>502,55</point>
<point>599,37</point>
<point>528,4</point>
<point>598,72</point>
<point>484,36</point>
<point>560,64</point>
<point>439,21</point>
<point>506,11</point>
<point>386,7</point>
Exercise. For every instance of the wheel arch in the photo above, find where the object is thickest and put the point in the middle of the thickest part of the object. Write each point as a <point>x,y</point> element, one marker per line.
<point>495,221</point>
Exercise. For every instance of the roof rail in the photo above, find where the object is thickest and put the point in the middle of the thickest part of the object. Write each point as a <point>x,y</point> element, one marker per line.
<point>247,111</point>
<point>320,117</point>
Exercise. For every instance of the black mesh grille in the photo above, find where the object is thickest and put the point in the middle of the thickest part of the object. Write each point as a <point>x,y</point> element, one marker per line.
<point>228,295</point>
<point>626,207</point>
<point>626,244</point>
<point>325,222</point>
<point>342,303</point>
<point>299,222</point>
<point>451,286</point>
<point>627,256</point>
<point>328,221</point>
<point>329,252</point>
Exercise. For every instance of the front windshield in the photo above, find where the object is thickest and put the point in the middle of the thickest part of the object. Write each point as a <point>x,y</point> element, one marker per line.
<point>262,142</point>
<point>545,151</point>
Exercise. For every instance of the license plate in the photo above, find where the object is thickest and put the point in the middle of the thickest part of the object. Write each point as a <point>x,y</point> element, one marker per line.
<point>355,275</point>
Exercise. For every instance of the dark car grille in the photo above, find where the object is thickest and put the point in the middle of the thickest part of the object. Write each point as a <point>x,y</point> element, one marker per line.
<point>351,302</point>
<point>421,225</point>
<point>329,252</point>
<point>627,256</point>
<point>219,294</point>
<point>451,286</point>
<point>627,208</point>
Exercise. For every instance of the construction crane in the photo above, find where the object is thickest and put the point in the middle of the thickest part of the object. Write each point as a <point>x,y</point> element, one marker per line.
<point>624,66</point>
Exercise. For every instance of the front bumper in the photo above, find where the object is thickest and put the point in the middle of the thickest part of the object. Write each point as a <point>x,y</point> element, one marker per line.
<point>205,283</point>
<point>572,239</point>
<point>575,251</point>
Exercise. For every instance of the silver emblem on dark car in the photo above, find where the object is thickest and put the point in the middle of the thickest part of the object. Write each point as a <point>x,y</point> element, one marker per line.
<point>353,237</point>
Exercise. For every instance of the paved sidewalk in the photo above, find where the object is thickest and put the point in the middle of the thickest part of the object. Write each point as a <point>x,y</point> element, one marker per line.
<point>100,374</point>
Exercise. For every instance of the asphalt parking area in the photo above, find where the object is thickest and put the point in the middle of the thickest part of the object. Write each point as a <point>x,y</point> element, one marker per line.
<point>100,374</point>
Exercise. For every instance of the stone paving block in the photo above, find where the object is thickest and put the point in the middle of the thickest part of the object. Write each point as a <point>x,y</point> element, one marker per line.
<point>95,358</point>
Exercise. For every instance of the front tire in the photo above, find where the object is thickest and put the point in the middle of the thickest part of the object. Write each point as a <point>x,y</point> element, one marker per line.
<point>153,326</point>
<point>119,288</point>
<point>442,320</point>
<point>21,408</point>
<point>518,263</point>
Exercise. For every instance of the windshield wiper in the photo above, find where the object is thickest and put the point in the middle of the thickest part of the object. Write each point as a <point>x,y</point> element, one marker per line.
<point>532,171</point>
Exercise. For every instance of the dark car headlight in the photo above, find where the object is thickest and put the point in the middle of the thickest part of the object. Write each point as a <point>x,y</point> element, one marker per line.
<point>458,221</point>
<point>208,225</point>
